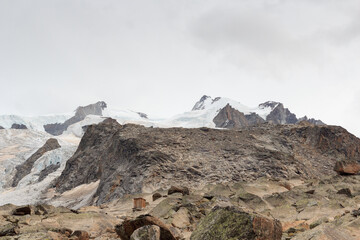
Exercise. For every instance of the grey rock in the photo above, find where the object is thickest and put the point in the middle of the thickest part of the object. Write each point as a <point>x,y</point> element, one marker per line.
<point>18,126</point>
<point>46,171</point>
<point>80,114</point>
<point>200,104</point>
<point>1,127</point>
<point>25,168</point>
<point>280,114</point>
<point>149,232</point>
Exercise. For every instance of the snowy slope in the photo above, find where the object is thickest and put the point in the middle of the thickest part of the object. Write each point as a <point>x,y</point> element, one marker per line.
<point>18,145</point>
<point>207,108</point>
<point>35,123</point>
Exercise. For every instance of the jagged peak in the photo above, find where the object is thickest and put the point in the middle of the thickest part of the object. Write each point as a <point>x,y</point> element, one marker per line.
<point>200,105</point>
<point>271,104</point>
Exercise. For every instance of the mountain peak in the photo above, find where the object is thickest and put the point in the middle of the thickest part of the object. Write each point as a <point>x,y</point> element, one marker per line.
<point>200,105</point>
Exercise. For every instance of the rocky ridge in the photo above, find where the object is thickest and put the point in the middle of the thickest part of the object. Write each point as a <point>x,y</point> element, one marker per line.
<point>131,158</point>
<point>80,114</point>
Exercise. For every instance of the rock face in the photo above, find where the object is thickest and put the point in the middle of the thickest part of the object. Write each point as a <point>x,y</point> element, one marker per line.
<point>80,114</point>
<point>182,190</point>
<point>347,167</point>
<point>280,115</point>
<point>1,127</point>
<point>46,171</point>
<point>18,126</point>
<point>128,158</point>
<point>127,228</point>
<point>232,223</point>
<point>200,104</point>
<point>25,168</point>
<point>229,117</point>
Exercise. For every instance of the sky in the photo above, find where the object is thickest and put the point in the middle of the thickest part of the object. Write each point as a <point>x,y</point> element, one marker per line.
<point>160,57</point>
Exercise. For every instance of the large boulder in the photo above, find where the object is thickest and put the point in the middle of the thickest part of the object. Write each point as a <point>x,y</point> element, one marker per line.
<point>127,228</point>
<point>347,167</point>
<point>232,223</point>
<point>148,232</point>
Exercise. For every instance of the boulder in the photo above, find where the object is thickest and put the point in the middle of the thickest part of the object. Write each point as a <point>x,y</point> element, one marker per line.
<point>148,232</point>
<point>347,167</point>
<point>127,228</point>
<point>233,223</point>
<point>345,191</point>
<point>1,127</point>
<point>24,210</point>
<point>156,196</point>
<point>80,235</point>
<point>175,189</point>
<point>7,230</point>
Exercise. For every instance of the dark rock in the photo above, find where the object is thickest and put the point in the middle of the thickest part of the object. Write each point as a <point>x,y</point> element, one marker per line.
<point>347,167</point>
<point>233,223</point>
<point>345,191</point>
<point>356,213</point>
<point>46,171</point>
<point>21,211</point>
<point>126,228</point>
<point>200,105</point>
<point>143,115</point>
<point>18,126</point>
<point>156,196</point>
<point>175,189</point>
<point>80,235</point>
<point>24,169</point>
<point>80,114</point>
<point>310,120</point>
<point>229,117</point>
<point>8,230</point>
<point>1,127</point>
<point>312,191</point>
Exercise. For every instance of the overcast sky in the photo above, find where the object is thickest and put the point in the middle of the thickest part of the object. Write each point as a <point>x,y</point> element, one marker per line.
<point>161,56</point>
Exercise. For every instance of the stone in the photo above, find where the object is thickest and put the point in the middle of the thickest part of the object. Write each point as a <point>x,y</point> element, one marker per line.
<point>156,196</point>
<point>148,232</point>
<point>1,127</point>
<point>126,228</point>
<point>80,235</point>
<point>312,191</point>
<point>345,191</point>
<point>7,230</point>
<point>18,126</point>
<point>232,223</point>
<point>347,167</point>
<point>175,189</point>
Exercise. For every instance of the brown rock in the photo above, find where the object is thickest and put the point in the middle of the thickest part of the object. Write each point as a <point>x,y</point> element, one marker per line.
<point>347,167</point>
<point>126,229</point>
<point>80,235</point>
<point>345,191</point>
<point>174,189</point>
<point>21,211</point>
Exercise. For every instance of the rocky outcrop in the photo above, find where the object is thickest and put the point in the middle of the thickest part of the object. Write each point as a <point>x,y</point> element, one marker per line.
<point>347,167</point>
<point>18,126</point>
<point>24,169</point>
<point>229,117</point>
<point>129,158</point>
<point>200,105</point>
<point>126,229</point>
<point>80,114</point>
<point>233,223</point>
<point>311,121</point>
<point>280,114</point>
<point>1,127</point>
<point>48,170</point>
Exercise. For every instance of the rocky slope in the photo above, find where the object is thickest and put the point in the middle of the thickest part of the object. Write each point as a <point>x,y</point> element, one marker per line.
<point>25,168</point>
<point>131,158</point>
